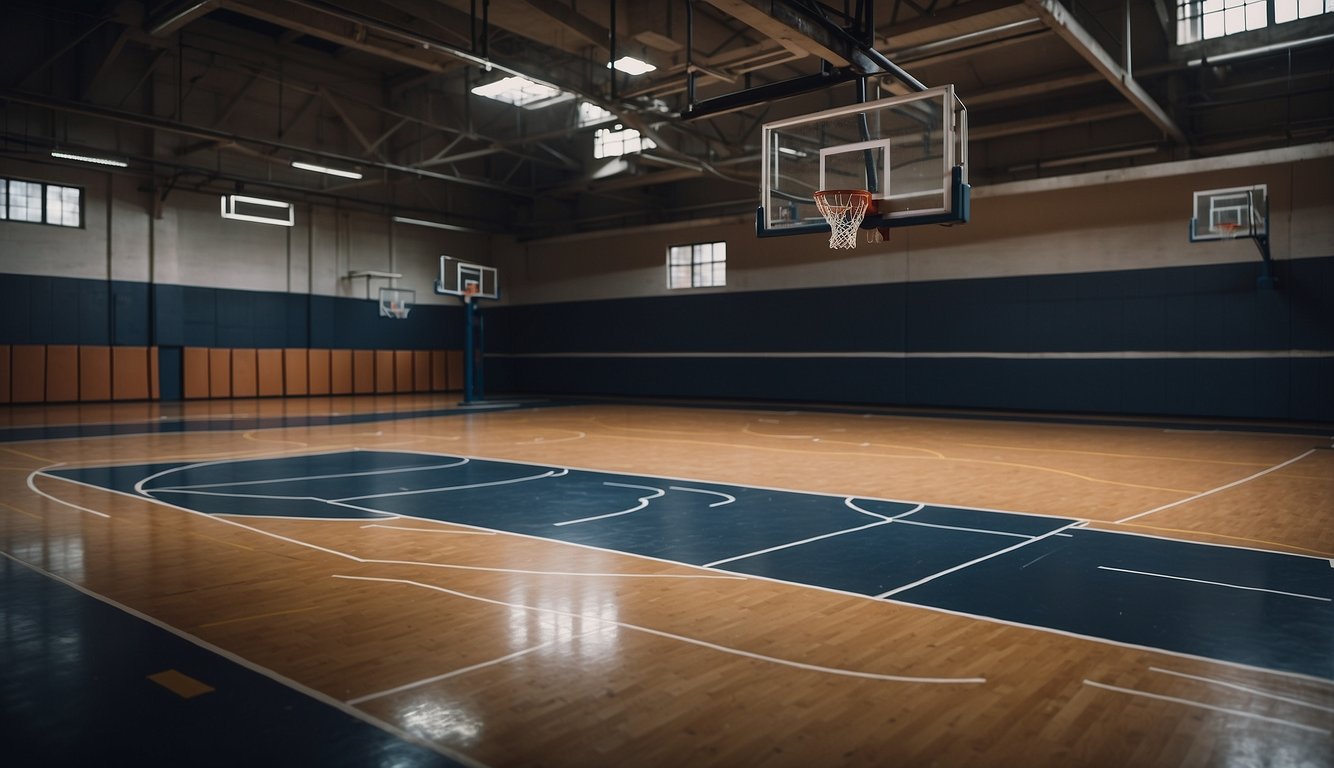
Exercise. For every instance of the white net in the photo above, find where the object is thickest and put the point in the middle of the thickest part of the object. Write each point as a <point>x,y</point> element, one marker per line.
<point>844,210</point>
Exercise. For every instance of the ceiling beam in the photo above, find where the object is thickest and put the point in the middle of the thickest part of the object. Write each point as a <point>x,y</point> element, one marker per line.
<point>1059,20</point>
<point>1033,125</point>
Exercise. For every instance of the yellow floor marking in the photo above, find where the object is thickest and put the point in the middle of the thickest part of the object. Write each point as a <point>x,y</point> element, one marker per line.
<point>180,684</point>
<point>251,436</point>
<point>257,617</point>
<point>27,455</point>
<point>21,512</point>
<point>1034,467</point>
<point>1117,455</point>
<point>1219,535</point>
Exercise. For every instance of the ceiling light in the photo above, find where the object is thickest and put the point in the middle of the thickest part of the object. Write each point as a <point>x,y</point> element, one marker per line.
<point>95,160</point>
<point>522,92</point>
<point>323,169</point>
<point>432,224</point>
<point>257,209</point>
<point>632,66</point>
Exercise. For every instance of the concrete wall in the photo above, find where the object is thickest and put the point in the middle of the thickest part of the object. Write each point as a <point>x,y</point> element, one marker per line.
<point>192,245</point>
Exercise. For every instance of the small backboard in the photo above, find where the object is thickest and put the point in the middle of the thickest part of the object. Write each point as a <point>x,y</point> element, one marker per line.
<point>1226,214</point>
<point>396,303</point>
<point>910,152</point>
<point>464,279</point>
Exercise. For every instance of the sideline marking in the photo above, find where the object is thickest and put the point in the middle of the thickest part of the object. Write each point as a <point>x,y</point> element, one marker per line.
<point>1202,705</point>
<point>1232,484</point>
<point>1215,583</point>
<point>1246,688</point>
<point>670,636</point>
<point>974,561</point>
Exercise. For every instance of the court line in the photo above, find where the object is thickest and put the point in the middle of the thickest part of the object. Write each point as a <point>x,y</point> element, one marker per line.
<point>1216,583</point>
<point>643,502</point>
<point>1033,467</point>
<point>680,638</point>
<point>1313,552</point>
<point>969,530</point>
<point>42,459</point>
<point>975,561</point>
<point>253,667</point>
<point>1211,707</point>
<point>21,512</point>
<point>1146,457</point>
<point>1246,688</point>
<point>460,671</point>
<point>1308,678</point>
<point>430,530</point>
<point>258,616</point>
<point>727,497</point>
<point>32,485</point>
<point>884,519</point>
<point>391,470</point>
<point>443,489</point>
<point>1210,492</point>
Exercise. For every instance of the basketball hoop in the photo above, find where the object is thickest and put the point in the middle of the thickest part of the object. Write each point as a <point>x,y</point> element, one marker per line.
<point>1228,228</point>
<point>844,210</point>
<point>398,311</point>
<point>470,290</point>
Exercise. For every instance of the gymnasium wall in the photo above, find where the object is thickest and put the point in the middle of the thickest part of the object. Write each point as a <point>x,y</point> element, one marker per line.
<point>190,280</point>
<point>1073,295</point>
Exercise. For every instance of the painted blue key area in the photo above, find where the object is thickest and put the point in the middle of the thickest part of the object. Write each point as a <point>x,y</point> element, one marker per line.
<point>1265,609</point>
<point>74,683</point>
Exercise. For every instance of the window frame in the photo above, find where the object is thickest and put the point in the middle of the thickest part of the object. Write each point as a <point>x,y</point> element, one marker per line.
<point>704,263</point>
<point>48,215</point>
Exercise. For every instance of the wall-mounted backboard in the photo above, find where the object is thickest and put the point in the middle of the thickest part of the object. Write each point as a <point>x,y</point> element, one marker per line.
<point>910,152</point>
<point>1225,214</point>
<point>456,277</point>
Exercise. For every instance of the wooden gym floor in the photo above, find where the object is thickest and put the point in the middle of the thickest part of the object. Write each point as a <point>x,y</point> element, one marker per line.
<point>479,645</point>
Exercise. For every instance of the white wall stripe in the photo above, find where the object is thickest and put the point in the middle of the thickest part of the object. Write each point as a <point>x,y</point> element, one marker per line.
<point>1240,354</point>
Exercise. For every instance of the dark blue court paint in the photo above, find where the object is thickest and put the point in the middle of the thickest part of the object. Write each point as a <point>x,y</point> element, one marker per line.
<point>75,690</point>
<point>1171,595</point>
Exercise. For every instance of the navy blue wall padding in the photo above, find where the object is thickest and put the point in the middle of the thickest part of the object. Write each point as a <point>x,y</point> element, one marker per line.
<point>910,330</point>
<point>170,373</point>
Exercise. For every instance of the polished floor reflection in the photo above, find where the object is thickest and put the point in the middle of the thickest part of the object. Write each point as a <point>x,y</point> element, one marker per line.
<point>615,584</point>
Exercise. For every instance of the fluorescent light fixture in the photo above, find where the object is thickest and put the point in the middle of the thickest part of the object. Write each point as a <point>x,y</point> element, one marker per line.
<point>792,152</point>
<point>236,207</point>
<point>522,92</point>
<point>632,66</point>
<point>94,160</point>
<point>431,224</point>
<point>324,169</point>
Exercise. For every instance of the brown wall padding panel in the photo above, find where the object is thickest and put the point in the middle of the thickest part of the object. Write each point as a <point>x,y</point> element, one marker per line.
<point>318,367</point>
<point>4,373</point>
<point>269,363</point>
<point>403,370</point>
<point>363,371</point>
<point>94,373</point>
<point>421,371</point>
<point>439,371</point>
<point>219,373</point>
<point>295,379</point>
<point>129,373</point>
<point>340,371</point>
<point>195,363</point>
<point>384,370</point>
<point>29,374</point>
<point>245,380</point>
<point>454,368</point>
<point>153,377</point>
<point>62,373</point>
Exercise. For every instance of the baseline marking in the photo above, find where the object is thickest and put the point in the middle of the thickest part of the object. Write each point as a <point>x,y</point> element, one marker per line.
<point>1202,705</point>
<point>681,638</point>
<point>975,561</point>
<point>1232,484</point>
<point>1215,583</point>
<point>1246,688</point>
<point>884,519</point>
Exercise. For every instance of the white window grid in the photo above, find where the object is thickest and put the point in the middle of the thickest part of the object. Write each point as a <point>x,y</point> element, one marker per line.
<point>697,265</point>
<point>37,202</point>
<point>1209,19</point>
<point>614,142</point>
